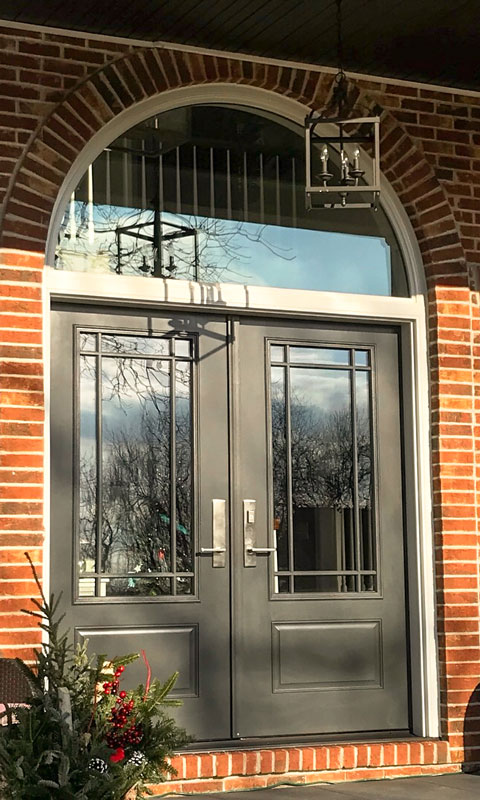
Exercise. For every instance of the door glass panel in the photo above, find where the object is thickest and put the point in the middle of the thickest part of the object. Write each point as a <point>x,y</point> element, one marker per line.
<point>87,518</point>
<point>279,462</point>
<point>133,345</point>
<point>88,341</point>
<point>319,355</point>
<point>183,457</point>
<point>182,347</point>
<point>135,459</point>
<point>362,358</point>
<point>132,586</point>
<point>322,465</point>
<point>282,585</point>
<point>367,554</point>
<point>277,353</point>
<point>135,483</point>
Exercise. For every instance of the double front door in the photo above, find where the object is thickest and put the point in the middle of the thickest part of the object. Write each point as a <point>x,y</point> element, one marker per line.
<point>234,489</point>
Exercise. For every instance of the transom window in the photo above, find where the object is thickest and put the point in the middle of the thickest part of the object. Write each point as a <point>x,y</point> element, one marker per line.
<point>216,194</point>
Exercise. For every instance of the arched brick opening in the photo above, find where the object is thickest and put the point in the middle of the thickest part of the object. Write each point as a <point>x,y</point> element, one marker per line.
<point>61,136</point>
<point>131,78</point>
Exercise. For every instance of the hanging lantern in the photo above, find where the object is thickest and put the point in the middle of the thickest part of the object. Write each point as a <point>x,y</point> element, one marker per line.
<point>335,174</point>
<point>334,169</point>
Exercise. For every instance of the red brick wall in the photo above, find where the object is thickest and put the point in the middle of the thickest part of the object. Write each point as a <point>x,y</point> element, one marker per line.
<point>56,92</point>
<point>21,446</point>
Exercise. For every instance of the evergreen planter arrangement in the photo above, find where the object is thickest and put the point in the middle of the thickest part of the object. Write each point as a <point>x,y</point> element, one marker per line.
<point>81,736</point>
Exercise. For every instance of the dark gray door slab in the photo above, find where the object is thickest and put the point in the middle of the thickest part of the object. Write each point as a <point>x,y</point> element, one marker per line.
<point>319,633</point>
<point>139,452</point>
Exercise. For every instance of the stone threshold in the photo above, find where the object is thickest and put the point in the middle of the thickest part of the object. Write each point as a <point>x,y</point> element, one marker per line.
<point>232,770</point>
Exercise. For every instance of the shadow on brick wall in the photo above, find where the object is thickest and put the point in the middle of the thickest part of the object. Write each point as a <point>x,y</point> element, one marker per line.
<point>471,734</point>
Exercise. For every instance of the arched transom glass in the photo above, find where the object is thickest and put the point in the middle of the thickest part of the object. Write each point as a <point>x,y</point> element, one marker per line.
<point>215,193</point>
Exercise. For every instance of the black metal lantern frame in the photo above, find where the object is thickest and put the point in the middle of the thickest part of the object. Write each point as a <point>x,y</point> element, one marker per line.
<point>351,132</point>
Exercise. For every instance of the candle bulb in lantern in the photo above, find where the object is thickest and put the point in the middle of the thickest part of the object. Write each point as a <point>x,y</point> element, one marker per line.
<point>356,159</point>
<point>324,159</point>
<point>344,159</point>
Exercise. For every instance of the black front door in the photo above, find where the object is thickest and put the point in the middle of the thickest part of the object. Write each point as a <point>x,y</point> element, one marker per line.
<point>234,489</point>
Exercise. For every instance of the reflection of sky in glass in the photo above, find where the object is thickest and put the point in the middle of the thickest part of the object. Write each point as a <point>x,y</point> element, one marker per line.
<point>233,252</point>
<point>322,392</point>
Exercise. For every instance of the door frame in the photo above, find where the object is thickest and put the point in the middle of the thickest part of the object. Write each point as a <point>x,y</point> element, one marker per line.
<point>409,314</point>
<point>235,300</point>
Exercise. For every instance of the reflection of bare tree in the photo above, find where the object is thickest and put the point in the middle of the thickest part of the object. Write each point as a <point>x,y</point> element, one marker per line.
<point>136,496</point>
<point>222,248</point>
<point>322,479</point>
<point>321,455</point>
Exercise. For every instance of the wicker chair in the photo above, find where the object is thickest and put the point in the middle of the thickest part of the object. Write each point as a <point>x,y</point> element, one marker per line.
<point>14,685</point>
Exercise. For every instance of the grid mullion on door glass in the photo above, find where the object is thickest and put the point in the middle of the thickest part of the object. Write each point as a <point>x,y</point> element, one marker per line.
<point>173,474</point>
<point>356,526</point>
<point>99,509</point>
<point>288,431</point>
<point>134,443</point>
<point>338,533</point>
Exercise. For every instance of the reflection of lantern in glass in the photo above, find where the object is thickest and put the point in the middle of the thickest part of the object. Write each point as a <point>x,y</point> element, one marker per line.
<point>170,265</point>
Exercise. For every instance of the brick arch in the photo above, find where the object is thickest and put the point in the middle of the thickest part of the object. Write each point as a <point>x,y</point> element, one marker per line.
<point>138,75</point>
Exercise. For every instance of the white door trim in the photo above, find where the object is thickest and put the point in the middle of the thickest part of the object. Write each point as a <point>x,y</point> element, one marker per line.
<point>214,298</point>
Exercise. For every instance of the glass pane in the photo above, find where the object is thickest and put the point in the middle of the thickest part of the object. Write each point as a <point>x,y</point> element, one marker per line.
<point>184,585</point>
<point>86,587</point>
<point>282,585</point>
<point>279,463</point>
<point>183,455</point>
<point>324,583</point>
<point>87,523</point>
<point>319,355</point>
<point>367,556</point>
<point>227,186</point>
<point>88,341</point>
<point>136,466</point>
<point>322,461</point>
<point>132,345</point>
<point>277,353</point>
<point>129,586</point>
<point>182,347</point>
<point>362,358</point>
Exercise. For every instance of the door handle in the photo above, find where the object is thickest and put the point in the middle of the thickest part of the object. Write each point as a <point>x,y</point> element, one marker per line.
<point>249,535</point>
<point>219,534</point>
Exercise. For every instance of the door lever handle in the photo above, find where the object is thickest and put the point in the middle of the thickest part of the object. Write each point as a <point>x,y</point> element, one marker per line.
<point>249,535</point>
<point>219,535</point>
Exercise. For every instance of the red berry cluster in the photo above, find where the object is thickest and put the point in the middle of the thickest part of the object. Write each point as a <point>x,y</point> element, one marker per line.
<point>111,687</point>
<point>123,731</point>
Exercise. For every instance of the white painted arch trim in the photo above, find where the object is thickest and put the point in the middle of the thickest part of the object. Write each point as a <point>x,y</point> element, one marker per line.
<point>229,297</point>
